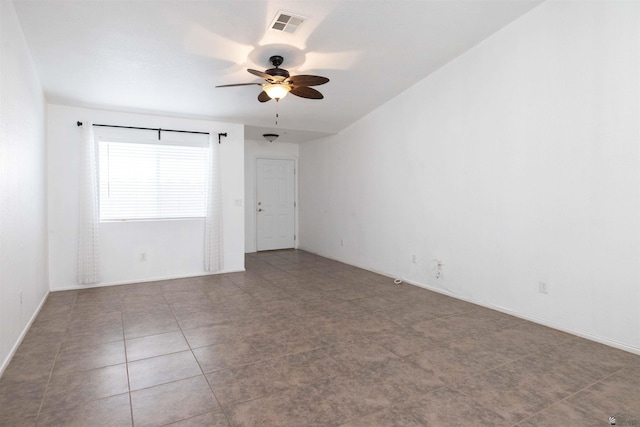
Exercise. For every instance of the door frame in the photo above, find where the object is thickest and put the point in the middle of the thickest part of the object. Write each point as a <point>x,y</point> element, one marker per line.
<point>295,196</point>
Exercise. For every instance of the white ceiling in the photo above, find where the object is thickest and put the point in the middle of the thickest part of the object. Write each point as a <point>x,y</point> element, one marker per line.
<point>165,57</point>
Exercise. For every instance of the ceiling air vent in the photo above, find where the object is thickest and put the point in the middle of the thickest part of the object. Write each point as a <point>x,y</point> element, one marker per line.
<point>287,22</point>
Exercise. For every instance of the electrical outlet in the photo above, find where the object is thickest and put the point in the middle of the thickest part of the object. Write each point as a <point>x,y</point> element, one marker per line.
<point>543,287</point>
<point>143,256</point>
<point>21,297</point>
<point>341,242</point>
<point>414,259</point>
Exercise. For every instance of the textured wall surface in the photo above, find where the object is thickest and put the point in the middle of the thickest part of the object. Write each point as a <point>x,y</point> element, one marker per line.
<point>23,234</point>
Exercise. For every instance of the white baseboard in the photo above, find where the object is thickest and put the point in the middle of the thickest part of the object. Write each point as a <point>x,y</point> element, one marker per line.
<point>7,360</point>
<point>582,334</point>
<point>151,279</point>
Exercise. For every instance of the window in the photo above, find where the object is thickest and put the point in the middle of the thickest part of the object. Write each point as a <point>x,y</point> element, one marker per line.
<point>144,179</point>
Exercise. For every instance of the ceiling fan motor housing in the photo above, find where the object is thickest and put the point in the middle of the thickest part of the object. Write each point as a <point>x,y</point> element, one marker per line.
<point>277,72</point>
<point>277,60</point>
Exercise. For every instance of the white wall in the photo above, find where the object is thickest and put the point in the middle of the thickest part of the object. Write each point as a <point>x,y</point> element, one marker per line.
<point>23,261</point>
<point>516,163</point>
<point>252,151</point>
<point>173,248</point>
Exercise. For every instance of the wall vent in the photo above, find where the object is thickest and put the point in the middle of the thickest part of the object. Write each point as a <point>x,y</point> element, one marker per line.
<point>287,22</point>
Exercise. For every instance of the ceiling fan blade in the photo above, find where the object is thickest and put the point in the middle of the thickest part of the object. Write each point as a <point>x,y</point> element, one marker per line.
<point>260,74</point>
<point>306,92</point>
<point>241,84</point>
<point>307,80</point>
<point>263,97</point>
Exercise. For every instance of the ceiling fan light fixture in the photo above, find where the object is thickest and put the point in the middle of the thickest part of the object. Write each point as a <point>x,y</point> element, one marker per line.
<point>270,136</point>
<point>277,91</point>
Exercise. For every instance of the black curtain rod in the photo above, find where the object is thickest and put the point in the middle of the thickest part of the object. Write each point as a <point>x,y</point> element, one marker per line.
<point>156,129</point>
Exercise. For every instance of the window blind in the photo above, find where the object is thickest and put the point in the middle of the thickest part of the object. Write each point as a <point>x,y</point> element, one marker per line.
<point>152,179</point>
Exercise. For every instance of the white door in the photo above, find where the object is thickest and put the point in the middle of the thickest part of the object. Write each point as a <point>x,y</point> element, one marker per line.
<point>275,204</point>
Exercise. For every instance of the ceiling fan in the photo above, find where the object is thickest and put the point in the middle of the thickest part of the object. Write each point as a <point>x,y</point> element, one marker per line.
<point>279,83</point>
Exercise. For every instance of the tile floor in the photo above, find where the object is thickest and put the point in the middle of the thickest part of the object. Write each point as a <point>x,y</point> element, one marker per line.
<point>300,340</point>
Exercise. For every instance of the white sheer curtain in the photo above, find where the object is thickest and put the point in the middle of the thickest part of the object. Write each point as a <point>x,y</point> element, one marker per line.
<point>88,221</point>
<point>213,245</point>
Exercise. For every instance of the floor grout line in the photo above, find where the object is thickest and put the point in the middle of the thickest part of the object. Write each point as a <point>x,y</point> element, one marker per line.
<point>196,359</point>
<point>126,357</point>
<point>55,360</point>
<point>566,398</point>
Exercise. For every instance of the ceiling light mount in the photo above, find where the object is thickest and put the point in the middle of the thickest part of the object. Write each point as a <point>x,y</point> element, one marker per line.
<point>270,136</point>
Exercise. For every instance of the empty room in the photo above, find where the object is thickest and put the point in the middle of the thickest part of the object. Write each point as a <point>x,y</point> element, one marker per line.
<point>320,213</point>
